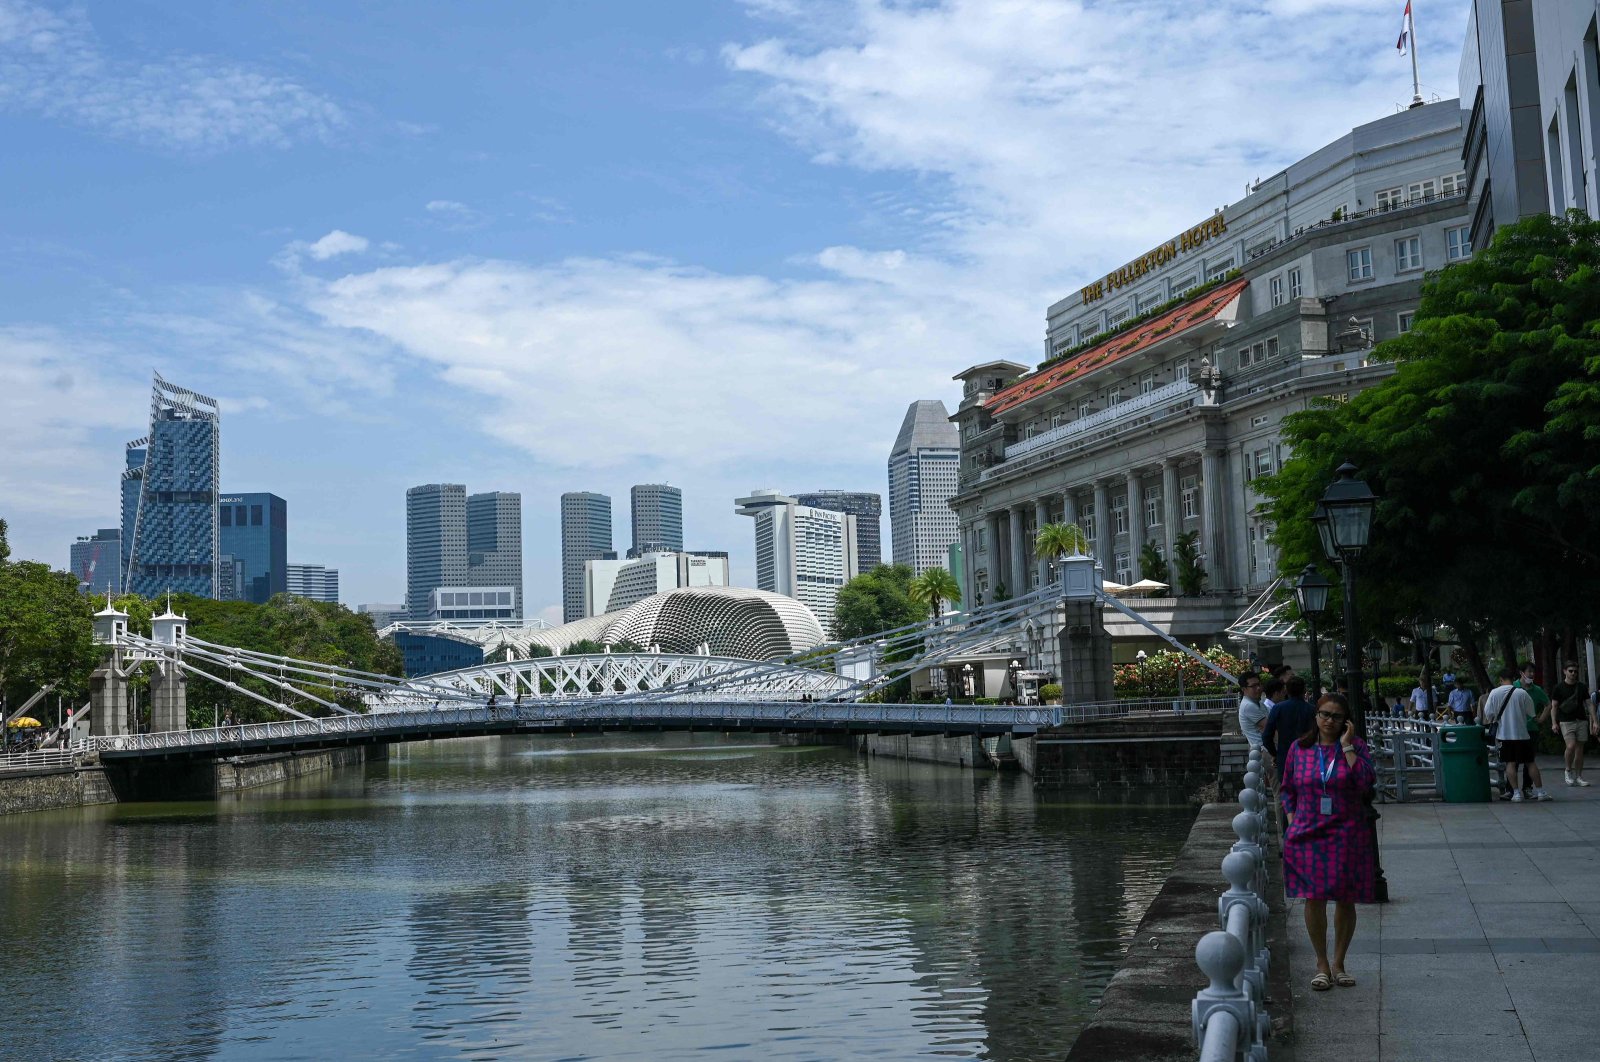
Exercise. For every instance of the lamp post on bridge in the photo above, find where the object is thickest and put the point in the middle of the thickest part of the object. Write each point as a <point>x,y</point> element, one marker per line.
<point>1311,597</point>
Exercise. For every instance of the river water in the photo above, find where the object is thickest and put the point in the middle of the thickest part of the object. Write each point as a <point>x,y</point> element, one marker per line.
<point>619,897</point>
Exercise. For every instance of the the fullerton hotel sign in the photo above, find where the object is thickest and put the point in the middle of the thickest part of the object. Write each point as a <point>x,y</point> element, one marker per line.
<point>1208,229</point>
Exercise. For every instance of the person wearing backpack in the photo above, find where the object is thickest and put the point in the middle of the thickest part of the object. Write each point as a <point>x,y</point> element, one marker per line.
<point>1507,709</point>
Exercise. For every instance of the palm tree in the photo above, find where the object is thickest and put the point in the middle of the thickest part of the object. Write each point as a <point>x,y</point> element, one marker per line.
<point>933,588</point>
<point>1055,541</point>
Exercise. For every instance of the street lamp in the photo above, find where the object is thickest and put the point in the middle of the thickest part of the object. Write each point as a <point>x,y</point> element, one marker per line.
<point>1311,597</point>
<point>1144,677</point>
<point>1424,630</point>
<point>966,679</point>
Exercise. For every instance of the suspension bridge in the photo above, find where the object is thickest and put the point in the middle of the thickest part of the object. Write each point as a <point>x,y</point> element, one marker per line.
<point>835,688</point>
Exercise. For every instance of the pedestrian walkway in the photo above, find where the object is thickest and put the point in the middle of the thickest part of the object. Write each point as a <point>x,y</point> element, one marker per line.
<point>1488,949</point>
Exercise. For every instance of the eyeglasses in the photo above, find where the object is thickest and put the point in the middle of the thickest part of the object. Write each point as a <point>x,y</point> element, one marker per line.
<point>1332,717</point>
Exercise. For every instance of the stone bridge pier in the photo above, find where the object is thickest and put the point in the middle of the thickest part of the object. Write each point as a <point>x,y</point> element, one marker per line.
<point>110,712</point>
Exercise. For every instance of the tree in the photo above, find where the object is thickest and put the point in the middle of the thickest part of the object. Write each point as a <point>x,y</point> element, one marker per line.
<point>1001,593</point>
<point>1152,565</point>
<point>1055,541</point>
<point>1191,573</point>
<point>584,647</point>
<point>933,588</point>
<point>877,600</point>
<point>1480,446</point>
<point>46,630</point>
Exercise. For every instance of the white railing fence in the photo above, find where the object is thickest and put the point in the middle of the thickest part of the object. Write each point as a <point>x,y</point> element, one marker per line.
<point>1230,1018</point>
<point>1405,753</point>
<point>45,759</point>
<point>1178,391</point>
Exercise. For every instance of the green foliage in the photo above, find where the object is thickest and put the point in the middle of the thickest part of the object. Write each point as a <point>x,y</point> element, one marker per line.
<point>1001,593</point>
<point>1152,565</point>
<point>1050,691</point>
<point>1481,447</point>
<point>1191,573</point>
<point>1158,675</point>
<point>877,600</point>
<point>1149,315</point>
<point>584,647</point>
<point>46,630</point>
<point>1055,541</point>
<point>932,589</point>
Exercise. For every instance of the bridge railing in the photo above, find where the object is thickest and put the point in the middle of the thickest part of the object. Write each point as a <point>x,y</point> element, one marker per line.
<point>1136,709</point>
<point>45,759</point>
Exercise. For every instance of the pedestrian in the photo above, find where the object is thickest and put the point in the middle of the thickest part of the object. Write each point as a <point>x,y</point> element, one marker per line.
<point>1574,720</point>
<point>1252,715</point>
<point>1507,708</point>
<point>1462,704</point>
<point>1288,719</point>
<point>1329,850</point>
<point>1271,692</point>
<point>1541,700</point>
<point>1421,699</point>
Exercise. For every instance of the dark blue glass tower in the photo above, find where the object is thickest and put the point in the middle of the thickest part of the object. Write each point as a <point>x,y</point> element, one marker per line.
<point>169,497</point>
<point>254,531</point>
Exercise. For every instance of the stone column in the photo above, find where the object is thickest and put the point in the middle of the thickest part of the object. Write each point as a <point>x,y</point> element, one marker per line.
<point>968,580</point>
<point>1104,536</point>
<point>1017,583</point>
<point>1214,513</point>
<point>169,703</point>
<point>1135,521</point>
<point>997,574</point>
<point>1041,516</point>
<point>108,699</point>
<point>1170,518</point>
<point>1069,508</point>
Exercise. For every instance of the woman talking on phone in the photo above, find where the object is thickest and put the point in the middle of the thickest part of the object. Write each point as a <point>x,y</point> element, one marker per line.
<point>1328,847</point>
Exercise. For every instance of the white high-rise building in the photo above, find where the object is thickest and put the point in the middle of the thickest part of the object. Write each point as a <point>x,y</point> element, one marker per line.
<point>613,585</point>
<point>315,581</point>
<point>805,553</point>
<point>923,469</point>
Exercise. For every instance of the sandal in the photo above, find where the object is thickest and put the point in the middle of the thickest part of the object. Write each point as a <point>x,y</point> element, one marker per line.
<point>1344,980</point>
<point>1321,983</point>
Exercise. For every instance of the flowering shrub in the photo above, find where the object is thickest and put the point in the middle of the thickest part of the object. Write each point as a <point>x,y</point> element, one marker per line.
<point>1158,674</point>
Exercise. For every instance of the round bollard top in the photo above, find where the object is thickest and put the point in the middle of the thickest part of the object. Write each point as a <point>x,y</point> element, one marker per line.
<point>1246,826</point>
<point>1221,958</point>
<point>1239,868</point>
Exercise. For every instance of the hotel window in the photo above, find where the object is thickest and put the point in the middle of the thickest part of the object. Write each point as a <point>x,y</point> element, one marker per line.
<point>1180,371</point>
<point>1189,487</point>
<point>1453,183</point>
<point>1147,302</point>
<point>1294,283</point>
<point>1422,189</point>
<point>1152,507</point>
<point>1408,253</point>
<point>1458,244</point>
<point>1275,288</point>
<point>1086,520</point>
<point>1030,431</point>
<point>1124,567</point>
<point>1258,421</point>
<point>1244,357</point>
<point>1119,513</point>
<point>1214,272</point>
<point>1388,198</point>
<point>1147,383</point>
<point>1116,318</point>
<point>983,539</point>
<point>1263,461</point>
<point>1359,263</point>
<point>1087,332</point>
<point>1113,396</point>
<point>1182,287</point>
<point>1406,318</point>
<point>1056,420</point>
<point>1084,409</point>
<point>1272,346</point>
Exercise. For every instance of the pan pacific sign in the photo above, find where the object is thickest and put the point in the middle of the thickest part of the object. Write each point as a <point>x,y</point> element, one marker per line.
<point>1198,236</point>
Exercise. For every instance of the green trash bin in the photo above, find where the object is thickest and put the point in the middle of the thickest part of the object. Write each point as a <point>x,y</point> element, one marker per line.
<point>1464,764</point>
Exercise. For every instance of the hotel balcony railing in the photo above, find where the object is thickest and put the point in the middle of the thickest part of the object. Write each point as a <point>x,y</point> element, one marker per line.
<point>1178,395</point>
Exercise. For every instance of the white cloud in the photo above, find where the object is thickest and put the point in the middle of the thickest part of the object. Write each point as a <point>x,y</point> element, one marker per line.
<point>336,243</point>
<point>51,63</point>
<point>450,214</point>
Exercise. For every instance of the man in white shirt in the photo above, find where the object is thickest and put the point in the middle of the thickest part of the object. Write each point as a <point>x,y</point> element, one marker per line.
<point>1508,708</point>
<point>1252,716</point>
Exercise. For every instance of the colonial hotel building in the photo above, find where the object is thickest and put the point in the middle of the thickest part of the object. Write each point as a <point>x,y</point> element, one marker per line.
<point>1164,382</point>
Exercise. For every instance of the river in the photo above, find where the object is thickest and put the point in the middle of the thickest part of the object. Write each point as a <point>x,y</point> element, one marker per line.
<point>620,897</point>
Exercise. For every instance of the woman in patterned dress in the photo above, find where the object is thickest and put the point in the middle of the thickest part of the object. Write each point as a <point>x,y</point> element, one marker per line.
<point>1328,851</point>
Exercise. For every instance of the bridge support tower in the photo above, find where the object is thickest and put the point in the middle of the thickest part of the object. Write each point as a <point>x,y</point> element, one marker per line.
<point>1084,646</point>
<point>108,684</point>
<point>169,701</point>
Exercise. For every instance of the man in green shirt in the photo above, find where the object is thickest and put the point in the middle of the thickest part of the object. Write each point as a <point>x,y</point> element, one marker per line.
<point>1573,719</point>
<point>1536,693</point>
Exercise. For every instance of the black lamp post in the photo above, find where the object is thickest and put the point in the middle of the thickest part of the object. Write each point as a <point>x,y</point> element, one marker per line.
<point>1311,596</point>
<point>1344,523</point>
<point>1424,629</point>
<point>1375,654</point>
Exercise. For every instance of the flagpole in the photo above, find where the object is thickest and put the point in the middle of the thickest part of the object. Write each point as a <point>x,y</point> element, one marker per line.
<point>1416,82</point>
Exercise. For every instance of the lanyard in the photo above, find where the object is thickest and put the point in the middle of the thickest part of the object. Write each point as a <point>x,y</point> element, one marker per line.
<point>1325,768</point>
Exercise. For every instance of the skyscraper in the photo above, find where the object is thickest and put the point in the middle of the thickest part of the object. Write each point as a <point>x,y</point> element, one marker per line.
<point>494,542</point>
<point>97,561</point>
<point>867,508</point>
<point>922,479</point>
<point>657,512</point>
<point>169,496</point>
<point>436,542</point>
<point>802,552</point>
<point>315,581</point>
<point>254,531</point>
<point>585,536</point>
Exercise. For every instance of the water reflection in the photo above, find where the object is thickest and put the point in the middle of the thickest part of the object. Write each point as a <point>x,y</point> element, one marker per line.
<point>605,898</point>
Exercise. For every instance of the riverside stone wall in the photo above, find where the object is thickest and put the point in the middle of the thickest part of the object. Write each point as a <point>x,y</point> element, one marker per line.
<point>966,751</point>
<point>47,790</point>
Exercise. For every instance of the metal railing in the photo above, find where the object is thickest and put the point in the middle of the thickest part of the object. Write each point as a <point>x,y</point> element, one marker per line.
<point>1138,709</point>
<point>1405,754</point>
<point>1178,393</point>
<point>45,759</point>
<point>1229,1015</point>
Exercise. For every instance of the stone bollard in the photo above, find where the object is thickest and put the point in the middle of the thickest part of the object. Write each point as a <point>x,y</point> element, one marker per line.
<point>1224,1016</point>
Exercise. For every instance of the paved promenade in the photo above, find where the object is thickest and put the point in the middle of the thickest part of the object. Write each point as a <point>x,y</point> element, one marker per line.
<point>1488,949</point>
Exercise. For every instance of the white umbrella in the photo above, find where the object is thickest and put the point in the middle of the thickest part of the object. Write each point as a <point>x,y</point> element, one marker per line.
<point>1146,586</point>
<point>1112,587</point>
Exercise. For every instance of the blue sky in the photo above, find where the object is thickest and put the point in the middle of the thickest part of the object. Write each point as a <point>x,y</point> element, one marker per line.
<point>547,247</point>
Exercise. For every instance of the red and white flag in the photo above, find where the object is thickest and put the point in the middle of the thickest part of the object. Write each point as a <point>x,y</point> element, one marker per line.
<point>1405,30</point>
